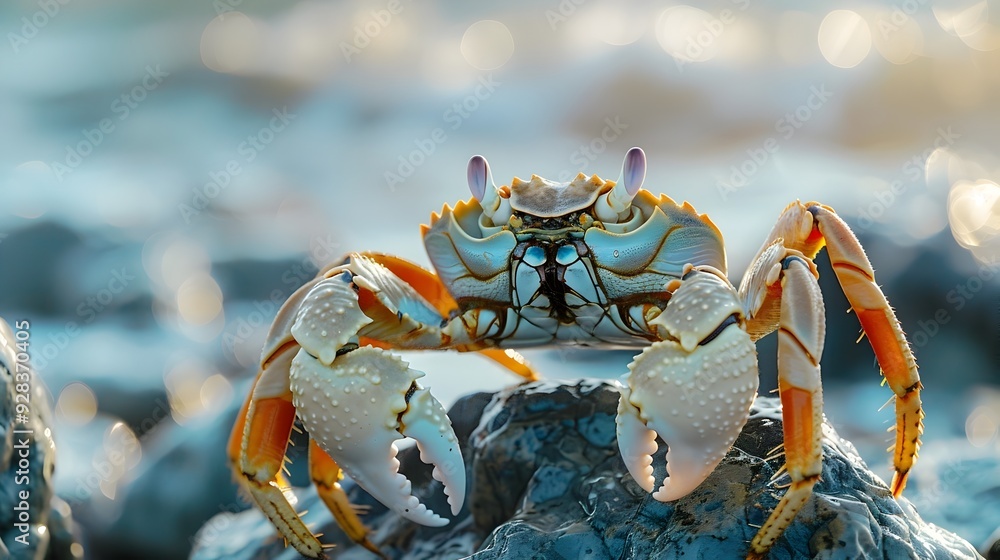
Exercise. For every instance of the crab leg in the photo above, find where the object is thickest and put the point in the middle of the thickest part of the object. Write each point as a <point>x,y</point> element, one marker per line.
<point>808,228</point>
<point>428,285</point>
<point>800,344</point>
<point>266,421</point>
<point>326,474</point>
<point>311,366</point>
<point>262,428</point>
<point>886,336</point>
<point>326,360</point>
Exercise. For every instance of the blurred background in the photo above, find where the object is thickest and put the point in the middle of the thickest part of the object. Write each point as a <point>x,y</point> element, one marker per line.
<point>172,171</point>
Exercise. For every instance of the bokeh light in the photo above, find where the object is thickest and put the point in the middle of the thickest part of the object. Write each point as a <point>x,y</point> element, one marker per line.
<point>121,452</point>
<point>961,18</point>
<point>199,300</point>
<point>216,392</point>
<point>170,260</point>
<point>844,38</point>
<point>230,43</point>
<point>982,425</point>
<point>184,382</point>
<point>974,215</point>
<point>688,34</point>
<point>76,404</point>
<point>487,44</point>
<point>898,41</point>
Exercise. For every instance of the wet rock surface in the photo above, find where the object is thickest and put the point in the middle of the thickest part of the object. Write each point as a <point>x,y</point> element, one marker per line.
<point>546,481</point>
<point>34,523</point>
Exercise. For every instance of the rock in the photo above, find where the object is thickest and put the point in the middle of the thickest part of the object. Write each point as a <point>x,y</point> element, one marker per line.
<point>546,481</point>
<point>992,552</point>
<point>34,524</point>
<point>182,481</point>
<point>41,284</point>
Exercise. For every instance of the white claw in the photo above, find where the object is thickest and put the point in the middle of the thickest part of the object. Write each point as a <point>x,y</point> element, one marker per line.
<point>328,318</point>
<point>697,402</point>
<point>426,421</point>
<point>352,410</point>
<point>636,442</point>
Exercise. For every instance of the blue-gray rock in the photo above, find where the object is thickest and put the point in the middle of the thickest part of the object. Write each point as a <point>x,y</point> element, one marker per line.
<point>546,481</point>
<point>34,524</point>
<point>182,481</point>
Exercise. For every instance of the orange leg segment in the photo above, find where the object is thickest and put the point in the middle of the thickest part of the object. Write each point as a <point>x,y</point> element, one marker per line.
<point>880,325</point>
<point>800,347</point>
<point>326,474</point>
<point>512,361</point>
<point>428,285</point>
<point>268,426</point>
<point>807,228</point>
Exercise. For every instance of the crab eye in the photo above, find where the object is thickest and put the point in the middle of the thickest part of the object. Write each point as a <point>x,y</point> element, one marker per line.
<point>612,206</point>
<point>634,170</point>
<point>479,172</point>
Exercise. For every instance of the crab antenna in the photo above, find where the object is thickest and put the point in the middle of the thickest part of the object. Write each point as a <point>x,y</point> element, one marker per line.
<point>616,202</point>
<point>480,177</point>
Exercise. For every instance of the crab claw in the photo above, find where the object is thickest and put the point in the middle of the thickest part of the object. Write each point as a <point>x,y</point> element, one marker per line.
<point>358,406</point>
<point>697,401</point>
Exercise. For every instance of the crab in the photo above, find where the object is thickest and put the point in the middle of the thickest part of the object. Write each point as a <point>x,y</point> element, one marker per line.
<point>589,262</point>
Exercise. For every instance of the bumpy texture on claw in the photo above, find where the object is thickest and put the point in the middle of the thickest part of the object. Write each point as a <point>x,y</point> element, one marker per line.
<point>693,389</point>
<point>696,401</point>
<point>328,318</point>
<point>356,408</point>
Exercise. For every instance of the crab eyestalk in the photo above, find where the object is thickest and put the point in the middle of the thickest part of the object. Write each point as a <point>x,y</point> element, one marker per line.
<point>495,208</point>
<point>612,206</point>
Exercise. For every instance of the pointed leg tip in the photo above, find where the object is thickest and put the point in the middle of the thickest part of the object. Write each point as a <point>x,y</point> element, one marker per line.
<point>899,483</point>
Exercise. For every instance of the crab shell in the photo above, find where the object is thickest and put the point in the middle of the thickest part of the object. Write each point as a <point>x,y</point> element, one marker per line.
<point>636,242</point>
